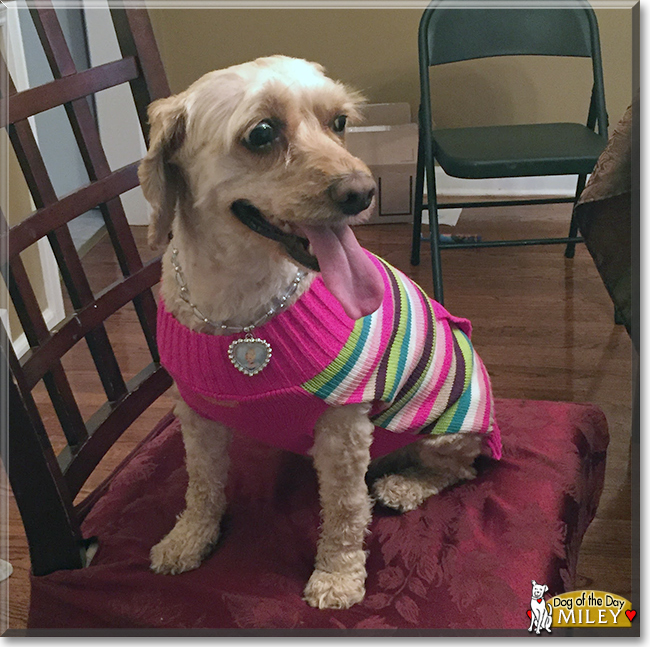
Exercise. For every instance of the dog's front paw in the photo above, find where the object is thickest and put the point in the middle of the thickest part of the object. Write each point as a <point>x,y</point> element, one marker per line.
<point>183,549</point>
<point>334,590</point>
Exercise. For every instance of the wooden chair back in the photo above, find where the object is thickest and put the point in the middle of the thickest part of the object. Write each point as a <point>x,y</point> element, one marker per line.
<point>45,483</point>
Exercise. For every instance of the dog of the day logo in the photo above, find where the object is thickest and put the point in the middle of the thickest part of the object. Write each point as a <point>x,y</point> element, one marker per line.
<point>584,609</point>
<point>591,609</point>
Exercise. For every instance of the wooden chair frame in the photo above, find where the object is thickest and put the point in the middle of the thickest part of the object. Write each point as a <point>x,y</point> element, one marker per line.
<point>45,484</point>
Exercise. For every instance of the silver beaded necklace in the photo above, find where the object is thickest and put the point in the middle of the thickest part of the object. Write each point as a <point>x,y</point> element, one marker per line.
<point>250,354</point>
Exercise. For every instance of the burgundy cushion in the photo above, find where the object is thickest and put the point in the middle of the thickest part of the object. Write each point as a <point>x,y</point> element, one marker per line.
<point>464,560</point>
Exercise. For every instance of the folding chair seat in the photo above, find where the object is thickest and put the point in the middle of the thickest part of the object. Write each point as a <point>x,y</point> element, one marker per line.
<point>524,150</point>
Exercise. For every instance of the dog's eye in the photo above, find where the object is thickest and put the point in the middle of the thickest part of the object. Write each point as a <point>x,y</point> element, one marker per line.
<point>338,125</point>
<point>262,136</point>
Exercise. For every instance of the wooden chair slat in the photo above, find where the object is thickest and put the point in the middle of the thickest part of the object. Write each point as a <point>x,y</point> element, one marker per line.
<point>42,191</point>
<point>60,91</point>
<point>37,361</point>
<point>38,484</point>
<point>74,277</point>
<point>9,356</point>
<point>90,146</point>
<point>134,34</point>
<point>25,303</point>
<point>58,540</point>
<point>110,421</point>
<point>130,262</point>
<point>7,351</point>
<point>66,255</point>
<point>21,292</point>
<point>52,39</point>
<point>65,406</point>
<point>53,216</point>
<point>35,174</point>
<point>36,332</point>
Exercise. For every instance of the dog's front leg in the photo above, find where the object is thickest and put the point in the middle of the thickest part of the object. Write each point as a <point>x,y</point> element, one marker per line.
<point>341,456</point>
<point>197,529</point>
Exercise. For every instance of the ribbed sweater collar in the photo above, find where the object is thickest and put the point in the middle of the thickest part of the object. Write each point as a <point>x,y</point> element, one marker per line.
<point>304,340</point>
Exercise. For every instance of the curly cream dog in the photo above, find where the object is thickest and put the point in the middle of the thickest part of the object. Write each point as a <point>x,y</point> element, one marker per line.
<point>240,165</point>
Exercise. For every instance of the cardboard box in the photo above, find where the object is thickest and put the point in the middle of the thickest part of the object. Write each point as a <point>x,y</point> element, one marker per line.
<point>388,144</point>
<point>386,114</point>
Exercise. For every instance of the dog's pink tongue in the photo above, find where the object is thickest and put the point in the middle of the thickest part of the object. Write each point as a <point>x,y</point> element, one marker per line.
<point>347,271</point>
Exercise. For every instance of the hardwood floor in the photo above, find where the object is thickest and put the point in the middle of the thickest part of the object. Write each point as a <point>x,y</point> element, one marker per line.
<point>544,326</point>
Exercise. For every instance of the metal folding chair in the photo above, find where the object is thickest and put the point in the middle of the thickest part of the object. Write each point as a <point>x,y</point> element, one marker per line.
<point>449,34</point>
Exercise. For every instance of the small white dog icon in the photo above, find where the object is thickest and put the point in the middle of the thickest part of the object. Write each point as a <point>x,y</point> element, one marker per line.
<point>541,614</point>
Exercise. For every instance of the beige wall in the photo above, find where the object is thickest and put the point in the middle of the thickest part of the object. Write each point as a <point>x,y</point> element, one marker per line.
<point>375,50</point>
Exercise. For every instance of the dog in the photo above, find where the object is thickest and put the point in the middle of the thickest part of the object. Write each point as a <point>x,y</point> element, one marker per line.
<point>273,321</point>
<point>541,616</point>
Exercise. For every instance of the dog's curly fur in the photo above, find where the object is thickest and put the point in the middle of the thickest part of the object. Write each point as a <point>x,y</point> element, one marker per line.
<point>196,167</point>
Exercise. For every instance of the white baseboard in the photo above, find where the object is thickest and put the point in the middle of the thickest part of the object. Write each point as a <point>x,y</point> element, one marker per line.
<point>518,187</point>
<point>553,185</point>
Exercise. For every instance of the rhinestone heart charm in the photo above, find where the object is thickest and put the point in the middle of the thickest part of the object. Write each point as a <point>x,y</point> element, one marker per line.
<point>249,355</point>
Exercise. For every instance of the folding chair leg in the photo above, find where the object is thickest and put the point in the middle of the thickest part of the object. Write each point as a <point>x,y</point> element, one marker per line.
<point>619,320</point>
<point>434,239</point>
<point>573,228</point>
<point>417,207</point>
<point>436,264</point>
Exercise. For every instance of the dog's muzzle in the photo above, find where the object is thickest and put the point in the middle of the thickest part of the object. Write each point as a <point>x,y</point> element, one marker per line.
<point>296,246</point>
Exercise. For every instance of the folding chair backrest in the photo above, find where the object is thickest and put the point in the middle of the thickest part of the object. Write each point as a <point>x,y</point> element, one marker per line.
<point>451,33</point>
<point>455,34</point>
<point>45,484</point>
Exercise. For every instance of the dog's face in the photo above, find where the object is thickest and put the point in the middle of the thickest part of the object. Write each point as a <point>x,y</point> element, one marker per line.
<point>269,135</point>
<point>539,590</point>
<point>269,132</point>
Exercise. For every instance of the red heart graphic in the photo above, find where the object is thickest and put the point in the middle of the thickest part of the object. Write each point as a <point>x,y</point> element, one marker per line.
<point>630,613</point>
<point>529,613</point>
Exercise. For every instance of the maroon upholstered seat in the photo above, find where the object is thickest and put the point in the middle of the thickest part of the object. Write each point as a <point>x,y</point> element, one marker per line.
<point>465,560</point>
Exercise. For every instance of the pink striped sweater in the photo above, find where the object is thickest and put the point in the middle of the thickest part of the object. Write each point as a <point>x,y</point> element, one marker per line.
<point>410,359</point>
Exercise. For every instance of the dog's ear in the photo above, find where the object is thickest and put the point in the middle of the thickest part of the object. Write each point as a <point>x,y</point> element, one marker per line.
<point>161,179</point>
<point>534,583</point>
<point>545,588</point>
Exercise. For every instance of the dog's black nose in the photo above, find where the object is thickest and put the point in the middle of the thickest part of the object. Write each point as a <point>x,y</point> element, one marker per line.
<point>353,193</point>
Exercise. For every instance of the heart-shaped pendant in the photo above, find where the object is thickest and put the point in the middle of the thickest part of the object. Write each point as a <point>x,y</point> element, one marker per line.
<point>249,355</point>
